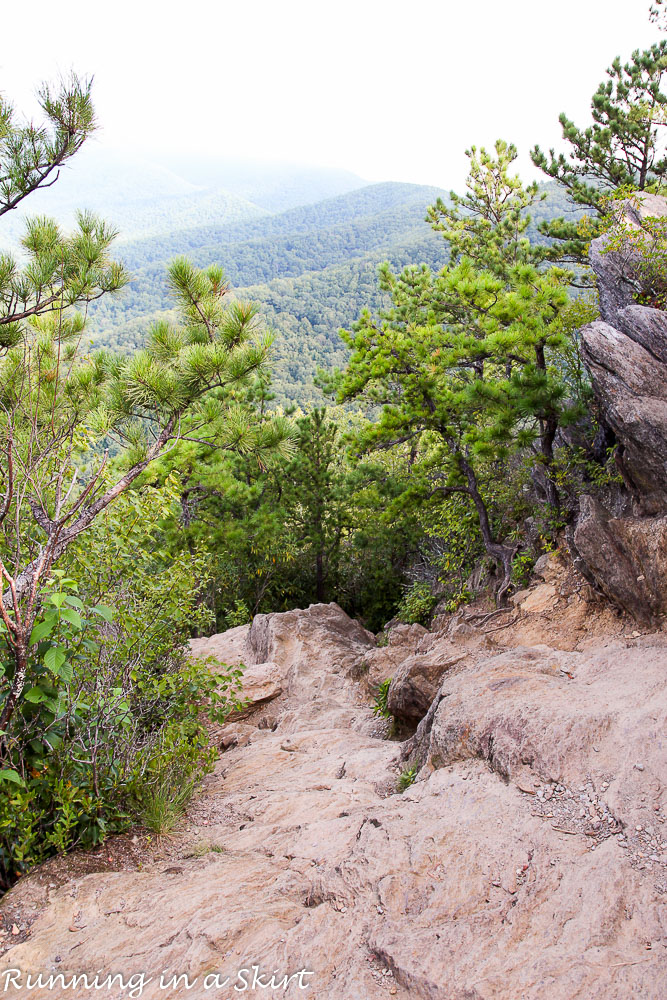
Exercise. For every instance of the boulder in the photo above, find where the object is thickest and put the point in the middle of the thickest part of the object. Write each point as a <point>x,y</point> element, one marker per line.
<point>631,388</point>
<point>626,354</point>
<point>647,327</point>
<point>379,664</point>
<point>537,599</point>
<point>261,683</point>
<point>271,635</point>
<point>626,557</point>
<point>406,635</point>
<point>556,713</point>
<point>226,647</point>
<point>549,566</point>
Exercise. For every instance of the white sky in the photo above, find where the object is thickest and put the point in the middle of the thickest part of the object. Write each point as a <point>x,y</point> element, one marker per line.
<point>391,90</point>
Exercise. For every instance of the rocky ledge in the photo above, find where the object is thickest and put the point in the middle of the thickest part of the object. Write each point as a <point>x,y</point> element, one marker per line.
<point>528,859</point>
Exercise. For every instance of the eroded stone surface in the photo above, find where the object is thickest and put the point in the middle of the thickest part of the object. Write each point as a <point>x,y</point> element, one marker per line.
<point>417,679</point>
<point>478,882</point>
<point>626,354</point>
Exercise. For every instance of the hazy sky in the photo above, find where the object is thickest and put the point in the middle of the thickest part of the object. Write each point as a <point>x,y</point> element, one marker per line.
<point>390,90</point>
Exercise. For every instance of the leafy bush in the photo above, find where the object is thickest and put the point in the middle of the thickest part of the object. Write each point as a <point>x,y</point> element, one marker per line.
<point>522,567</point>
<point>239,614</point>
<point>462,597</point>
<point>642,247</point>
<point>380,707</point>
<point>417,605</point>
<point>111,728</point>
<point>168,783</point>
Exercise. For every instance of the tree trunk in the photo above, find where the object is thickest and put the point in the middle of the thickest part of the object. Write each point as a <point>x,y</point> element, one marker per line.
<point>501,554</point>
<point>18,683</point>
<point>548,429</point>
<point>319,582</point>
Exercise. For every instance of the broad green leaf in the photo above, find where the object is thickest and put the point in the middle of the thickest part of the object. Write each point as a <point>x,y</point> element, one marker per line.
<point>41,630</point>
<point>73,617</point>
<point>35,695</point>
<point>8,775</point>
<point>57,599</point>
<point>54,658</point>
<point>66,672</point>
<point>103,611</point>
<point>74,602</point>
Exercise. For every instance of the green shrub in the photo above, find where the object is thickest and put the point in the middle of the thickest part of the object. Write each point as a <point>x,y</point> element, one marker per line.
<point>642,248</point>
<point>417,605</point>
<point>407,778</point>
<point>380,707</point>
<point>111,726</point>
<point>522,567</point>
<point>239,614</point>
<point>163,791</point>
<point>463,596</point>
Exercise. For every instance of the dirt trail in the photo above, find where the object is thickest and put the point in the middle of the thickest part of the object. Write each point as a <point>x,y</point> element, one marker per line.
<point>480,881</point>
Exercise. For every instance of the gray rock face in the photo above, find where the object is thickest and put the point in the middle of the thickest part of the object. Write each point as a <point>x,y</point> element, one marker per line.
<point>647,327</point>
<point>626,355</point>
<point>627,556</point>
<point>631,388</point>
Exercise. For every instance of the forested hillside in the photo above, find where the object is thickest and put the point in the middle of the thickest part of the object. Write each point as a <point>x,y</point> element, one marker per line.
<point>145,198</point>
<point>310,269</point>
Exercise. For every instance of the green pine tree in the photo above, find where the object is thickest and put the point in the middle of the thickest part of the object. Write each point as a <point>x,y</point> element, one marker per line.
<point>459,362</point>
<point>620,149</point>
<point>488,224</point>
<point>60,407</point>
<point>317,495</point>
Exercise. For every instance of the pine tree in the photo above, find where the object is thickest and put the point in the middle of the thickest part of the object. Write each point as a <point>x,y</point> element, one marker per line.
<point>458,363</point>
<point>488,224</point>
<point>317,496</point>
<point>658,14</point>
<point>61,270</point>
<point>621,149</point>
<point>59,406</point>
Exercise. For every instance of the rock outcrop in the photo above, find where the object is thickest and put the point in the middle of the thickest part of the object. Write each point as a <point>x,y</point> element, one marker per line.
<point>627,556</point>
<point>417,680</point>
<point>626,354</point>
<point>529,858</point>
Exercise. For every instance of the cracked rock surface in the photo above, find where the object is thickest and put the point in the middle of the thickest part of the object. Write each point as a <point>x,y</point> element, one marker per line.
<point>528,860</point>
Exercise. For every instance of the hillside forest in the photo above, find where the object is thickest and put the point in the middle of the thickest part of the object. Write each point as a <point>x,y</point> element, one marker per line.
<point>247,404</point>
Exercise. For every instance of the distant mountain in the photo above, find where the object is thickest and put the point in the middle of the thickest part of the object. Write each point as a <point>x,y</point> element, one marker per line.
<point>143,198</point>
<point>311,269</point>
<point>305,244</point>
<point>383,203</point>
<point>137,197</point>
<point>275,187</point>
